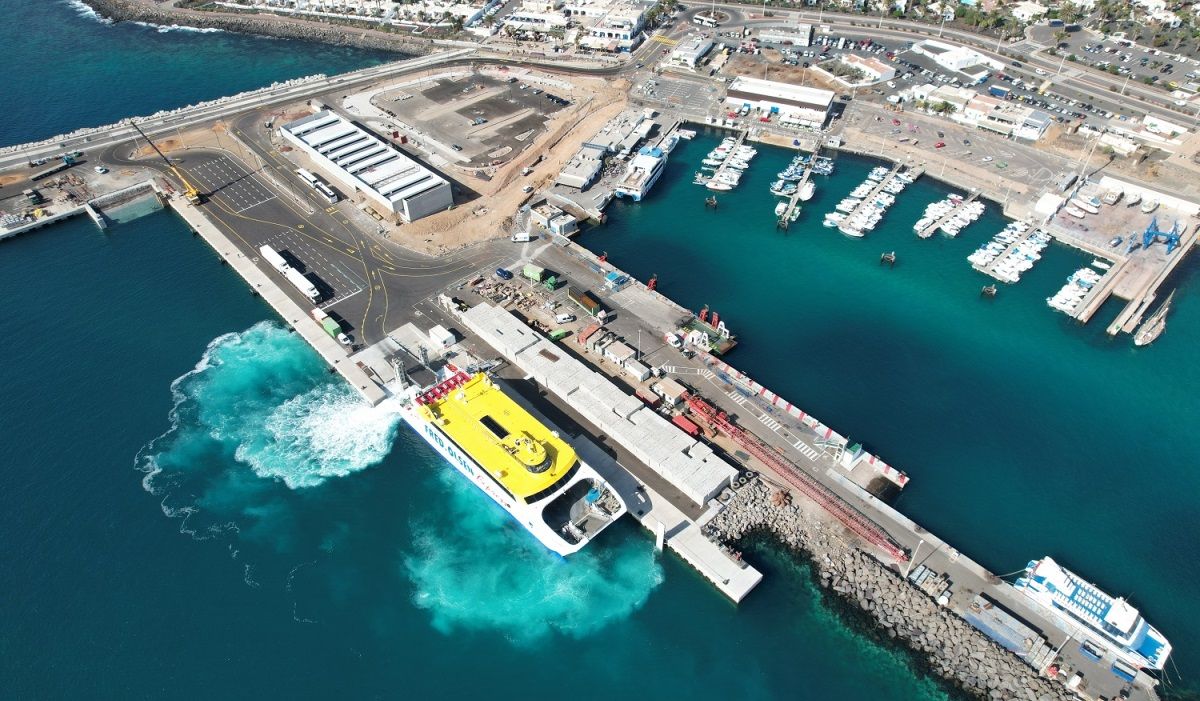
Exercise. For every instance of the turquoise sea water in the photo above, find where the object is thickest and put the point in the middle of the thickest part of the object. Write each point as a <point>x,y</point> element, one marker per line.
<point>64,69</point>
<point>1025,434</point>
<point>194,507</point>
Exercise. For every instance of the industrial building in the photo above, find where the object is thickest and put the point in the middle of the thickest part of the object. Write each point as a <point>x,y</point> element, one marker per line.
<point>393,184</point>
<point>689,52</point>
<point>967,61</point>
<point>584,167</point>
<point>873,70</point>
<point>797,35</point>
<point>794,104</point>
<point>553,220</point>
<point>690,465</point>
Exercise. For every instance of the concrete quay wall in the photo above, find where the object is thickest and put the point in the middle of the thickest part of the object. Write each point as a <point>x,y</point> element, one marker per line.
<point>952,648</point>
<point>292,313</point>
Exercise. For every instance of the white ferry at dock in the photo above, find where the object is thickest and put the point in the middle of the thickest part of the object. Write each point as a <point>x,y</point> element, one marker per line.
<point>1100,622</point>
<point>644,170</point>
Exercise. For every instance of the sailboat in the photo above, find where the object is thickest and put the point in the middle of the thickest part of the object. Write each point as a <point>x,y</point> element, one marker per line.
<point>1153,327</point>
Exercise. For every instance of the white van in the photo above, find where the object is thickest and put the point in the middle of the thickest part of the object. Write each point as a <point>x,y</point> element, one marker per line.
<point>564,318</point>
<point>521,237</point>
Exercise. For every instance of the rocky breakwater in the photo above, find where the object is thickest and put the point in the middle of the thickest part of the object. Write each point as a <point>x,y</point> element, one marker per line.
<point>951,647</point>
<point>165,15</point>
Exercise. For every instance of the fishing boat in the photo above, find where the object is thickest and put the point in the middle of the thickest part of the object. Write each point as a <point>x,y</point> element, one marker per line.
<point>1153,327</point>
<point>526,467</point>
<point>807,191</point>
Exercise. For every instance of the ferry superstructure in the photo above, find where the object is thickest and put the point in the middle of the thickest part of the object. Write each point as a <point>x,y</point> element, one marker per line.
<point>644,170</point>
<point>1096,617</point>
<point>516,460</point>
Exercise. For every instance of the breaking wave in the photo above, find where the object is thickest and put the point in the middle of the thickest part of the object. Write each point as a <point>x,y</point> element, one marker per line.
<point>163,28</point>
<point>477,569</point>
<point>84,10</point>
<point>257,411</point>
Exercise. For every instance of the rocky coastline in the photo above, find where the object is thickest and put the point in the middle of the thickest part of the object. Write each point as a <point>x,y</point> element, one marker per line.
<point>951,648</point>
<point>262,25</point>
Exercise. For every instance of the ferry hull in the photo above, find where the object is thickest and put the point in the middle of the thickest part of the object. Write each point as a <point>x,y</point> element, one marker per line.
<point>528,516</point>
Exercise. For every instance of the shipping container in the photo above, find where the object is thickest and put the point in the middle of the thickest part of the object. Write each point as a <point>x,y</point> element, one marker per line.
<point>686,424</point>
<point>302,283</point>
<point>273,259</point>
<point>533,272</point>
<point>584,299</point>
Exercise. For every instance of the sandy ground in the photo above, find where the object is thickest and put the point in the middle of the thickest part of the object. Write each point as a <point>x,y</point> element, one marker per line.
<point>490,215</point>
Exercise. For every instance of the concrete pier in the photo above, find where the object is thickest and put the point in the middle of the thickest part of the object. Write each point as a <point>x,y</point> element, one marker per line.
<point>292,313</point>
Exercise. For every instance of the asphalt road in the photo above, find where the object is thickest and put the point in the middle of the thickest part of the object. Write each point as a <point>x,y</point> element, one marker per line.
<point>366,281</point>
<point>1086,81</point>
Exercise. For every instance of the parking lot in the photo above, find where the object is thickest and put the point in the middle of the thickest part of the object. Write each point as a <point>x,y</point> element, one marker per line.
<point>1145,64</point>
<point>487,120</point>
<point>962,144</point>
<point>688,95</point>
<point>916,69</point>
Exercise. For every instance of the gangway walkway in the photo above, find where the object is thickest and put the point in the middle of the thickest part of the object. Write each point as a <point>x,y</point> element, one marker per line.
<point>794,201</point>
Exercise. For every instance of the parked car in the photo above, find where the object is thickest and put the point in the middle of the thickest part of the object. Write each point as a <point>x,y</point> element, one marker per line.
<point>503,274</point>
<point>939,144</point>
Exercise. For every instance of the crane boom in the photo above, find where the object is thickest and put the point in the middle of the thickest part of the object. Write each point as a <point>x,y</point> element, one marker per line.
<point>189,190</point>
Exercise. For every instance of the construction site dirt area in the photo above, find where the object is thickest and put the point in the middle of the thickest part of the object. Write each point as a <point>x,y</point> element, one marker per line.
<point>522,146</point>
<point>484,120</point>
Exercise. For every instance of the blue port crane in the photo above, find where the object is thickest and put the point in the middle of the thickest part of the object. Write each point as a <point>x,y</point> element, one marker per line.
<point>1152,234</point>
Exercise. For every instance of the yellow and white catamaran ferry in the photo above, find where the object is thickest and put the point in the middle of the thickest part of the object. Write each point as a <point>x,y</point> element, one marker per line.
<point>514,458</point>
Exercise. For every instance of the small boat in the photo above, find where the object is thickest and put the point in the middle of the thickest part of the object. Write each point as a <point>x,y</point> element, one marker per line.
<point>1133,200</point>
<point>719,186</point>
<point>1075,212</point>
<point>807,191</point>
<point>1116,241</point>
<point>1101,265</point>
<point>780,209</point>
<point>1149,206</point>
<point>1111,197</point>
<point>1153,327</point>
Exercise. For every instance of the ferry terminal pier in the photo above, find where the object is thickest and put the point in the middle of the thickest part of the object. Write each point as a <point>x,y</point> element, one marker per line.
<point>388,295</point>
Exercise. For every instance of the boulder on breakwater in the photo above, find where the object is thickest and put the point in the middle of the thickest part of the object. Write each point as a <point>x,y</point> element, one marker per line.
<point>263,25</point>
<point>952,648</point>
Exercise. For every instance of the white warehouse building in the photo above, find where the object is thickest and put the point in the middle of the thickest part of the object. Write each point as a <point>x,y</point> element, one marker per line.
<point>793,104</point>
<point>359,161</point>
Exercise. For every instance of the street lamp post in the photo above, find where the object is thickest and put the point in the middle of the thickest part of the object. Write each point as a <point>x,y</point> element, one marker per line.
<point>913,559</point>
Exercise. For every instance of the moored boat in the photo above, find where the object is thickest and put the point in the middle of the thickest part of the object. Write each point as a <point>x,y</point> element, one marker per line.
<point>1153,327</point>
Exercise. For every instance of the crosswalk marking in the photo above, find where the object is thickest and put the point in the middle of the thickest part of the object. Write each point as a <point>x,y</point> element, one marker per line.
<point>769,422</point>
<point>736,397</point>
<point>806,450</point>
